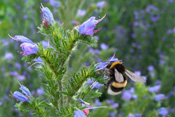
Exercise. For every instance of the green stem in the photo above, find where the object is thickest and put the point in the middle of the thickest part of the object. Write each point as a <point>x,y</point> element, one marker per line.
<point>49,64</point>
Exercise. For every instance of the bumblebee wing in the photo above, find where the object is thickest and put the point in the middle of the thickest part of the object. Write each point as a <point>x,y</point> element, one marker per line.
<point>134,77</point>
<point>118,76</point>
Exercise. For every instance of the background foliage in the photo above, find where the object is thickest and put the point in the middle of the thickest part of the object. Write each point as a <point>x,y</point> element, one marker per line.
<point>141,33</point>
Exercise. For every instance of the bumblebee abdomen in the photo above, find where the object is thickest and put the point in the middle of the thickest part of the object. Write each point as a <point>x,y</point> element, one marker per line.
<point>114,89</point>
<point>117,87</point>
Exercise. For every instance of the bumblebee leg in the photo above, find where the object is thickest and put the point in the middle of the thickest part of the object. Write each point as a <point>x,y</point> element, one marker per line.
<point>109,82</point>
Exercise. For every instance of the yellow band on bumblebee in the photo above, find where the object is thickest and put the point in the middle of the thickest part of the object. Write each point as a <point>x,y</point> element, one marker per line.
<point>119,85</point>
<point>114,64</point>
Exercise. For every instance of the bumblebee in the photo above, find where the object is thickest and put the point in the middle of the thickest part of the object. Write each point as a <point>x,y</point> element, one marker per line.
<point>118,77</point>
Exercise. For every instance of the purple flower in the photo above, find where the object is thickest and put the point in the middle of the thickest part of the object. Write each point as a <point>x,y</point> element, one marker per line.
<point>162,62</point>
<point>18,65</point>
<point>131,115</point>
<point>96,85</point>
<point>150,68</point>
<point>170,1</point>
<point>151,8</point>
<point>81,12</point>
<point>25,16</point>
<point>22,39</point>
<point>38,60</point>
<point>126,95</point>
<point>20,97</point>
<point>154,89</point>
<point>27,45</point>
<point>109,101</point>
<point>25,90</point>
<point>115,105</point>
<point>1,103</point>
<point>79,113</point>
<point>40,91</point>
<point>87,28</point>
<point>104,46</point>
<point>45,44</point>
<point>134,97</point>
<point>8,56</point>
<point>47,15</point>
<point>74,23</point>
<point>102,65</point>
<point>97,102</point>
<point>28,49</point>
<point>138,115</point>
<point>112,114</point>
<point>163,111</point>
<point>54,3</point>
<point>13,73</point>
<point>138,73</point>
<point>101,4</point>
<point>90,81</point>
<point>159,97</point>
<point>21,78</point>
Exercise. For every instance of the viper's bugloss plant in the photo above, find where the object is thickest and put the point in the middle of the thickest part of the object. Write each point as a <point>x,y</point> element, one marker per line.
<point>65,92</point>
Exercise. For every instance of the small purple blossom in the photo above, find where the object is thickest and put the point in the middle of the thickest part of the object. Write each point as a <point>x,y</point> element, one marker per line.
<point>96,85</point>
<point>27,45</point>
<point>28,49</point>
<point>20,97</point>
<point>21,77</point>
<point>162,62</point>
<point>155,17</point>
<point>81,12</point>
<point>138,115</point>
<point>138,73</point>
<point>13,74</point>
<point>112,114</point>
<point>150,68</point>
<point>115,105</point>
<point>126,95</point>
<point>131,115</point>
<point>109,101</point>
<point>8,56</point>
<point>97,102</point>
<point>79,113</point>
<point>154,89</point>
<point>25,16</point>
<point>101,4</point>
<point>87,28</point>
<point>103,46</point>
<point>1,103</point>
<point>170,1</point>
<point>18,65</point>
<point>159,97</point>
<point>40,91</point>
<point>22,39</point>
<point>47,15</point>
<point>54,3</point>
<point>25,90</point>
<point>163,111</point>
<point>151,8</point>
<point>38,60</point>
<point>102,65</point>
<point>134,97</point>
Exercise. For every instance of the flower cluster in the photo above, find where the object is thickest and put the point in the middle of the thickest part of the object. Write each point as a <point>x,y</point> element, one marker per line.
<point>21,97</point>
<point>27,45</point>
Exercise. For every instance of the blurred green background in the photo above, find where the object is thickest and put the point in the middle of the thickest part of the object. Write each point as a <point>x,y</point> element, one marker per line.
<point>140,32</point>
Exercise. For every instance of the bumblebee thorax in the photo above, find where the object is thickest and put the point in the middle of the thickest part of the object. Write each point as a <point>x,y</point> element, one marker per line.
<point>117,65</point>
